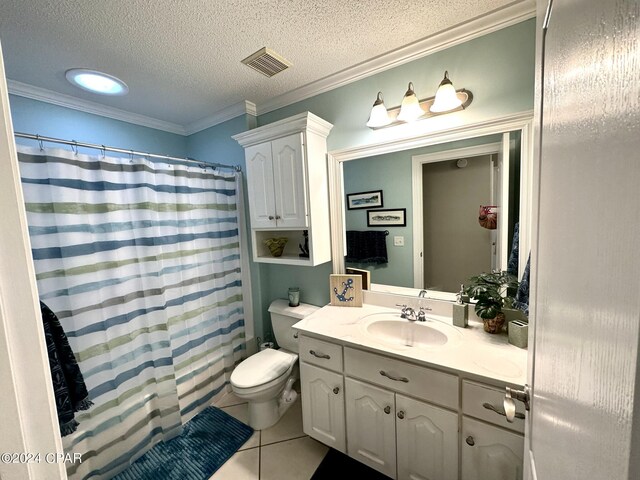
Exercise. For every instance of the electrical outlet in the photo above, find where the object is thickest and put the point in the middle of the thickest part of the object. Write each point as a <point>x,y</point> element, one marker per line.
<point>398,241</point>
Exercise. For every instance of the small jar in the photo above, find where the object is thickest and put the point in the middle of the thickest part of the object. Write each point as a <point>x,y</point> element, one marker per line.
<point>294,296</point>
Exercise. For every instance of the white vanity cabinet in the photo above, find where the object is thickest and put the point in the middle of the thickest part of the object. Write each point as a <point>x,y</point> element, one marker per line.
<point>323,416</point>
<point>408,421</point>
<point>402,437</point>
<point>287,188</point>
<point>494,449</point>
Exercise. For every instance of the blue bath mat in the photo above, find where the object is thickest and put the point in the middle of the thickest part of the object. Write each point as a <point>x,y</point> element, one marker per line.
<point>206,442</point>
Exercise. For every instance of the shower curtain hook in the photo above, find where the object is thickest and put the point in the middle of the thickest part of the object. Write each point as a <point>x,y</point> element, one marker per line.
<point>40,143</point>
<point>104,152</point>
<point>74,147</point>
<point>130,156</point>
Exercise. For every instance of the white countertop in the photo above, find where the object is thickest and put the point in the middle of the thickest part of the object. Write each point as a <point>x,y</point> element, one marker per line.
<point>469,351</point>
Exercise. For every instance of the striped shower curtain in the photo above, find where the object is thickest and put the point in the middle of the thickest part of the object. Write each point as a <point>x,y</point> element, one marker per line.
<point>141,263</point>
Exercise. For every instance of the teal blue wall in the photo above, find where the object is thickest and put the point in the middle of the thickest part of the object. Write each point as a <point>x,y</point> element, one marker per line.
<point>498,68</point>
<point>32,116</point>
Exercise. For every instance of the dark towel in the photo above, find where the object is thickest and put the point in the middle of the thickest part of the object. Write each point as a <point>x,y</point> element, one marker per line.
<point>68,384</point>
<point>512,266</point>
<point>366,247</point>
<point>522,295</point>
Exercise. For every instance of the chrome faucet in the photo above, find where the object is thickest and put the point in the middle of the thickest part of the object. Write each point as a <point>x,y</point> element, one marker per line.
<point>410,314</point>
<point>422,294</point>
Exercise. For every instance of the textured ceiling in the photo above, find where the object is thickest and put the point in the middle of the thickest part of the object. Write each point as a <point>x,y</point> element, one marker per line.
<point>181,58</point>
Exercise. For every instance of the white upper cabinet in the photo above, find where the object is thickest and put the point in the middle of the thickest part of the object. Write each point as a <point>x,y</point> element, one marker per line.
<point>288,188</point>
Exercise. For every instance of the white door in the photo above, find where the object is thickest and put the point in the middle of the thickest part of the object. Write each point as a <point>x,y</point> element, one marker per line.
<point>371,426</point>
<point>29,421</point>
<point>323,406</point>
<point>490,453</point>
<point>289,180</point>
<point>260,187</point>
<point>586,277</point>
<point>427,446</point>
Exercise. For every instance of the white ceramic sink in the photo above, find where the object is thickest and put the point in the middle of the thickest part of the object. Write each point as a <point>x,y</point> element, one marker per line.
<point>391,329</point>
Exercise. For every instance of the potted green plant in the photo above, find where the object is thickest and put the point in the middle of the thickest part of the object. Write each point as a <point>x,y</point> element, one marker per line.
<point>492,292</point>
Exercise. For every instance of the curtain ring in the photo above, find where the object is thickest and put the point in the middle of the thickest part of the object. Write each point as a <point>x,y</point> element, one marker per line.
<point>40,143</point>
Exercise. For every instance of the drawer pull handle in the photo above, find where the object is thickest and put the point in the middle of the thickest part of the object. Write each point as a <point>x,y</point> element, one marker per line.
<point>387,409</point>
<point>391,377</point>
<point>319,355</point>
<point>336,390</point>
<point>470,441</point>
<point>488,406</point>
<point>400,414</point>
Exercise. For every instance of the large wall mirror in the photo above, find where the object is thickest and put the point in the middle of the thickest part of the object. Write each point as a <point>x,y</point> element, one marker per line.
<point>423,196</point>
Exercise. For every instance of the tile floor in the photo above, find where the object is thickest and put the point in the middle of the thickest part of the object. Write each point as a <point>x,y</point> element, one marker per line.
<point>281,452</point>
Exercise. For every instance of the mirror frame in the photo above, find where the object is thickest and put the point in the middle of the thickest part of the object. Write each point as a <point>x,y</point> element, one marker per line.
<point>522,122</point>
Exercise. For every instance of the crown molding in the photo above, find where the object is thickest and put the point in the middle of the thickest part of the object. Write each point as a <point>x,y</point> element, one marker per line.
<point>43,95</point>
<point>511,14</point>
<point>241,108</point>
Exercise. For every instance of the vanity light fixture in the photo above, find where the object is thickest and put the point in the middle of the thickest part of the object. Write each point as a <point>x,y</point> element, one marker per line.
<point>96,82</point>
<point>446,100</point>
<point>410,109</point>
<point>379,117</point>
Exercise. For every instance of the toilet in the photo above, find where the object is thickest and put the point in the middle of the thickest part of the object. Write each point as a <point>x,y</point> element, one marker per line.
<point>266,378</point>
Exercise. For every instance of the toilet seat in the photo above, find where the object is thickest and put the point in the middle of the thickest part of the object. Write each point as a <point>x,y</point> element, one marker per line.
<point>265,367</point>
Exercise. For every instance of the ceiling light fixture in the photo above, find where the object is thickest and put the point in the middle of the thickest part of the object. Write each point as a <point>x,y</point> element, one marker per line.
<point>96,82</point>
<point>446,100</point>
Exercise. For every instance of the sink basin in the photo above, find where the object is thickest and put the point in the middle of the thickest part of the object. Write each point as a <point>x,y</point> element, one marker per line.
<point>400,333</point>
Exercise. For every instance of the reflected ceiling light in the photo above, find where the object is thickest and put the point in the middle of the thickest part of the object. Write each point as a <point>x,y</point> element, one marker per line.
<point>96,82</point>
<point>446,97</point>
<point>379,117</point>
<point>410,109</point>
<point>446,100</point>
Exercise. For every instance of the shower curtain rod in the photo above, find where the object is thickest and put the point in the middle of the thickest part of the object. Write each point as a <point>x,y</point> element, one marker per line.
<point>73,143</point>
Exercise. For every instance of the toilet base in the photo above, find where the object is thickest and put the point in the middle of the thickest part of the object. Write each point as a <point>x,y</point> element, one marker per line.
<point>266,414</point>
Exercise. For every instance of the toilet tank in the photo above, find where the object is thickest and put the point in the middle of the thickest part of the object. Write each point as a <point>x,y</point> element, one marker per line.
<point>283,317</point>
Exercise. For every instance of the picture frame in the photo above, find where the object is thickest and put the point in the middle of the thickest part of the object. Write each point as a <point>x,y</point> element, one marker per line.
<point>391,217</point>
<point>345,290</point>
<point>361,200</point>
<point>365,274</point>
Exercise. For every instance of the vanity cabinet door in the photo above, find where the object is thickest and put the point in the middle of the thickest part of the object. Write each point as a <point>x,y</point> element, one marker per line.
<point>371,426</point>
<point>490,452</point>
<point>262,200</point>
<point>289,181</point>
<point>323,405</point>
<point>427,441</point>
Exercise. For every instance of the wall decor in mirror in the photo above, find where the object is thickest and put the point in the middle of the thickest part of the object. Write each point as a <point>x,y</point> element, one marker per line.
<point>362,200</point>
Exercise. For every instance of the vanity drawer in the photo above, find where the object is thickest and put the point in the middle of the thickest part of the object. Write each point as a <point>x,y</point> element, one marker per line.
<point>421,382</point>
<point>476,395</point>
<point>321,353</point>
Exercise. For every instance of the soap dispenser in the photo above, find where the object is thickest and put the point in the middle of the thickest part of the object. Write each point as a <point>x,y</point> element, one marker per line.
<point>460,310</point>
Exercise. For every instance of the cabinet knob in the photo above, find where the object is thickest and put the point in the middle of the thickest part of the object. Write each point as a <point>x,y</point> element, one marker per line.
<point>470,441</point>
<point>278,217</point>
<point>270,217</point>
<point>400,414</point>
<point>336,390</point>
<point>387,409</point>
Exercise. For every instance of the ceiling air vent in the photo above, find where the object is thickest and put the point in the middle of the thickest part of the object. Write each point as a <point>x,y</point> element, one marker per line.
<point>267,62</point>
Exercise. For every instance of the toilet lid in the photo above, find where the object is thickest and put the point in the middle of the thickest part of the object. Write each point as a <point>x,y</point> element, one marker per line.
<point>262,368</point>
